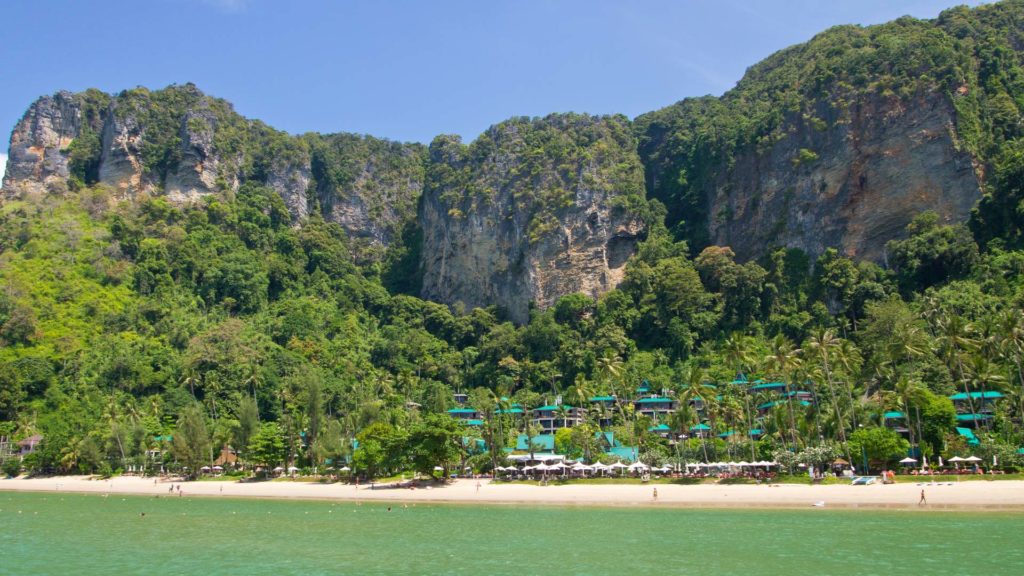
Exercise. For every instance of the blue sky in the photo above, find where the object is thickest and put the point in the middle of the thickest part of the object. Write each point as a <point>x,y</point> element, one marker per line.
<point>410,70</point>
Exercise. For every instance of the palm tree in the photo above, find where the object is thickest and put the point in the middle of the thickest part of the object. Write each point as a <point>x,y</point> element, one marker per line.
<point>695,388</point>
<point>784,359</point>
<point>822,346</point>
<point>955,337</point>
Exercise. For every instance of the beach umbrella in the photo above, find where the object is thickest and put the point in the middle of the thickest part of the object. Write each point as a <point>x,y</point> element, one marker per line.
<point>218,468</point>
<point>344,469</point>
<point>972,459</point>
<point>617,465</point>
<point>743,463</point>
<point>637,466</point>
<point>956,459</point>
<point>908,460</point>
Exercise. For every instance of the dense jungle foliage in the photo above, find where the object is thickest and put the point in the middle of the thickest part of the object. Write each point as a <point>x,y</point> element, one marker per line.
<point>133,327</point>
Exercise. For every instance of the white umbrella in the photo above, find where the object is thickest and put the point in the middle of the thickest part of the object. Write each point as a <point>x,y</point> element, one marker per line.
<point>278,469</point>
<point>438,469</point>
<point>956,459</point>
<point>557,466</point>
<point>344,469</point>
<point>908,460</point>
<point>617,465</point>
<point>743,463</point>
<point>543,467</point>
<point>293,469</point>
<point>581,467</point>
<point>600,466</point>
<point>218,468</point>
<point>638,466</point>
<point>972,459</point>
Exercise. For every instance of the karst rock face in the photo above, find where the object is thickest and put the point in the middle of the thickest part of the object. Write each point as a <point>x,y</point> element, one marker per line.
<point>183,145</point>
<point>530,211</point>
<point>853,184</point>
<point>38,159</point>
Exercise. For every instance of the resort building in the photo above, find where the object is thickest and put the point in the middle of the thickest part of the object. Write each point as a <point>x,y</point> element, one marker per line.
<point>981,402</point>
<point>655,407</point>
<point>896,421</point>
<point>28,445</point>
<point>468,415</point>
<point>604,406</point>
<point>553,417</point>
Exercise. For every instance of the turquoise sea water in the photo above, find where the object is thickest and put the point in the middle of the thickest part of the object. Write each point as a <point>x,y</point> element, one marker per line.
<point>90,534</point>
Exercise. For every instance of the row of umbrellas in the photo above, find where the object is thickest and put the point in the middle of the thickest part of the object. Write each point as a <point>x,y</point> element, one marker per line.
<point>972,459</point>
<point>634,467</point>
<point>581,467</point>
<point>740,464</point>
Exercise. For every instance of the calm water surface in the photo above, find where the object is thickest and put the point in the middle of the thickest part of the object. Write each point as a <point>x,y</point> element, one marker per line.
<point>90,534</point>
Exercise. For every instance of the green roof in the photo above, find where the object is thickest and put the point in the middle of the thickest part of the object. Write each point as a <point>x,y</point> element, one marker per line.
<point>1020,451</point>
<point>544,441</point>
<point>727,434</point>
<point>625,453</point>
<point>756,432</point>
<point>603,399</point>
<point>567,407</point>
<point>768,386</point>
<point>462,411</point>
<point>659,428</point>
<point>972,417</point>
<point>699,427</point>
<point>510,411</point>
<point>474,422</point>
<point>656,399</point>
<point>894,415</point>
<point>969,435</point>
<point>989,395</point>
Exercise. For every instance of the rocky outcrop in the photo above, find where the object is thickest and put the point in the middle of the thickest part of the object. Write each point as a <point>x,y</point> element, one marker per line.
<point>38,159</point>
<point>367,185</point>
<point>851,178</point>
<point>184,145</point>
<point>531,211</point>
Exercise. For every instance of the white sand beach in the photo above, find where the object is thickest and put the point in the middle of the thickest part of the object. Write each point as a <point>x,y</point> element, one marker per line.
<point>1007,495</point>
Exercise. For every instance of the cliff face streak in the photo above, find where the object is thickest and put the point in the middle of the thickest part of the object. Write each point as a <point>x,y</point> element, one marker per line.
<point>857,184</point>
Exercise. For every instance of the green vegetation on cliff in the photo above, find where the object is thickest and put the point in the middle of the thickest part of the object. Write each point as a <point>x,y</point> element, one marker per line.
<point>541,163</point>
<point>970,57</point>
<point>124,325</point>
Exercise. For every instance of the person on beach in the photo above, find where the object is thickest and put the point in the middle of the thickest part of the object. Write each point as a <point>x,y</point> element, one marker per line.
<point>922,501</point>
<point>655,494</point>
<point>478,486</point>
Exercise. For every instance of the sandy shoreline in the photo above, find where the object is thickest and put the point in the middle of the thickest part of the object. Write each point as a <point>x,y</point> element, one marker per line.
<point>974,496</point>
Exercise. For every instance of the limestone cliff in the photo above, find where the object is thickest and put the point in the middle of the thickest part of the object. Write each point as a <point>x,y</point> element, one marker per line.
<point>183,144</point>
<point>852,178</point>
<point>40,156</point>
<point>531,211</point>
